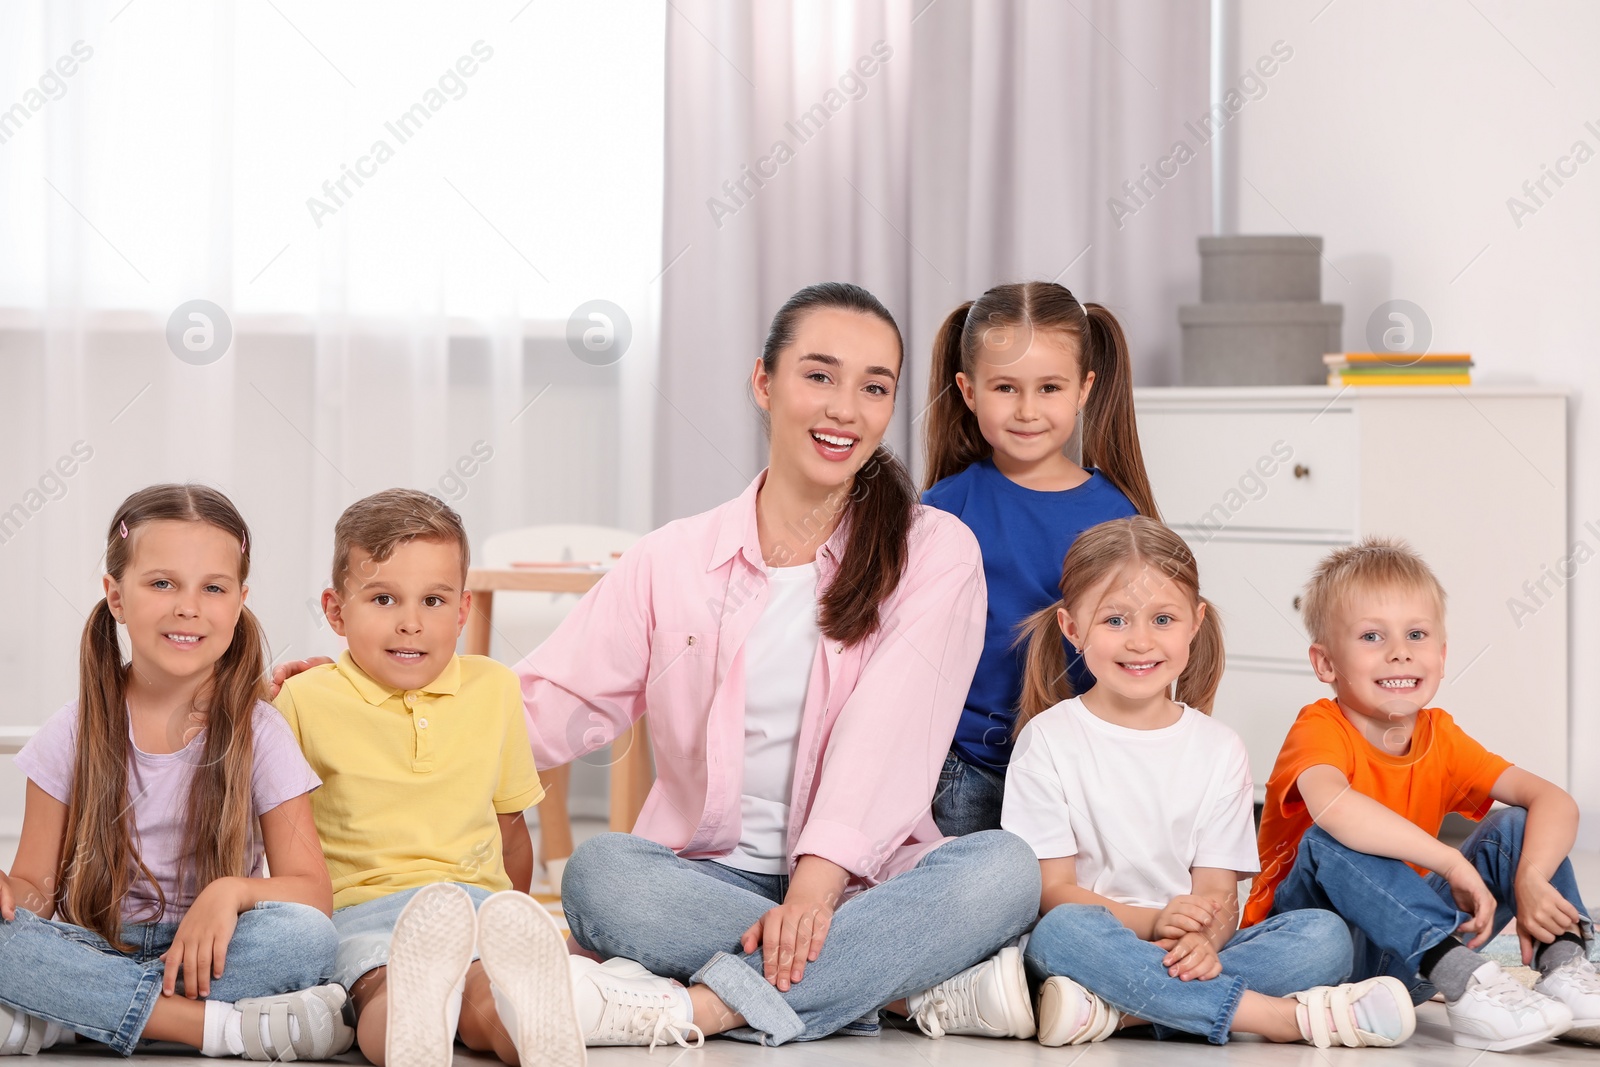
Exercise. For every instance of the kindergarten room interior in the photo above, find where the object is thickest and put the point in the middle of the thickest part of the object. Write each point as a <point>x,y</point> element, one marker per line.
<point>522,254</point>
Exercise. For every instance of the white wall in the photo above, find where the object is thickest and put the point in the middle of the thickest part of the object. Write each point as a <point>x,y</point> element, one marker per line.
<point>1398,133</point>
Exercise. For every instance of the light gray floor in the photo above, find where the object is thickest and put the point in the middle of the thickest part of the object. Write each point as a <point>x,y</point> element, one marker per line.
<point>1430,1047</point>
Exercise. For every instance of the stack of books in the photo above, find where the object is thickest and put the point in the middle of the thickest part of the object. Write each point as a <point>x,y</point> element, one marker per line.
<point>1398,368</point>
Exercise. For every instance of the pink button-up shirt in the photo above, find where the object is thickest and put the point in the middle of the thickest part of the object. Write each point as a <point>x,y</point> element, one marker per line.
<point>663,636</point>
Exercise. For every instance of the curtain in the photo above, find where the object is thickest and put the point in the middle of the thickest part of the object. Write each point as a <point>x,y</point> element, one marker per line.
<point>399,314</point>
<point>927,151</point>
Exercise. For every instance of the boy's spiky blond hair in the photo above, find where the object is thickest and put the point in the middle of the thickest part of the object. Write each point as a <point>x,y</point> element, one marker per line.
<point>1375,563</point>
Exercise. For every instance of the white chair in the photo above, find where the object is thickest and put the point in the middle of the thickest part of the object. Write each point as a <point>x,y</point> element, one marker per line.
<point>521,623</point>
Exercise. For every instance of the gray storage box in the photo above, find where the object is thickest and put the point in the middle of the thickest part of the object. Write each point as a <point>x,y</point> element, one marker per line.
<point>1250,269</point>
<point>1259,343</point>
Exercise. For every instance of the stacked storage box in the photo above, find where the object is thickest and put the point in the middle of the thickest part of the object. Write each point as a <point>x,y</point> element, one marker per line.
<point>1261,320</point>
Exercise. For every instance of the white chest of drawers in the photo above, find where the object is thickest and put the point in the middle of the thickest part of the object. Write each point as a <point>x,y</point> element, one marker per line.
<point>1263,482</point>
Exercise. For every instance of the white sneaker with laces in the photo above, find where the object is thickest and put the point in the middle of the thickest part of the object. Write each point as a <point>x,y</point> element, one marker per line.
<point>1376,1013</point>
<point>1497,1013</point>
<point>1071,1015</point>
<point>619,1002</point>
<point>1577,985</point>
<point>986,1000</point>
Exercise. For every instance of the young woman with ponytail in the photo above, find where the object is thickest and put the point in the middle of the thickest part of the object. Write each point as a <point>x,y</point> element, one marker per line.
<point>801,654</point>
<point>138,906</point>
<point>1024,379</point>
<point>1138,805</point>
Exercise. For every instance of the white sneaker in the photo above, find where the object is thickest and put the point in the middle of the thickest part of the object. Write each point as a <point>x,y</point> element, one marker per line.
<point>304,1025</point>
<point>1498,1013</point>
<point>1071,1015</point>
<point>22,1034</point>
<point>525,956</point>
<point>427,971</point>
<point>1376,1013</point>
<point>986,1000</point>
<point>619,1002</point>
<point>1576,985</point>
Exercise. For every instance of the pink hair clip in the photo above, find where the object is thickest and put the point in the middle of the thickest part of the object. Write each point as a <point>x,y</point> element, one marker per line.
<point>124,527</point>
<point>244,544</point>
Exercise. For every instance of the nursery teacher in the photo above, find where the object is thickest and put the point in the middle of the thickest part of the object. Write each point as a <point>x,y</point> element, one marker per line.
<point>802,654</point>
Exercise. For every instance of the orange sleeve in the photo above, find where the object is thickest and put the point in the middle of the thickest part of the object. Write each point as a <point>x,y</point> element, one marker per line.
<point>1316,738</point>
<point>1471,770</point>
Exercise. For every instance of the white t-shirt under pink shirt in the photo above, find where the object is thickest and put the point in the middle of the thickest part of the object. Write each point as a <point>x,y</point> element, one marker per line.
<point>1137,808</point>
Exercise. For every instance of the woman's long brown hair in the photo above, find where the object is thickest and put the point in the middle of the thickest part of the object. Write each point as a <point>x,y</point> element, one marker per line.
<point>100,856</point>
<point>1099,553</point>
<point>882,499</point>
<point>1110,435</point>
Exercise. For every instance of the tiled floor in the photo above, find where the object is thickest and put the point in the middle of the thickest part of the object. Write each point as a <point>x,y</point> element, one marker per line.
<point>1430,1047</point>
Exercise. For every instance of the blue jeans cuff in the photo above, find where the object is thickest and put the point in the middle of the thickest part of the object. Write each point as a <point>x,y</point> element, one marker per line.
<point>126,1039</point>
<point>751,995</point>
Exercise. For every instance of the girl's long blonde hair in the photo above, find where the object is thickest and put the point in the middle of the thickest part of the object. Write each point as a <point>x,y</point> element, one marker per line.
<point>1100,553</point>
<point>99,855</point>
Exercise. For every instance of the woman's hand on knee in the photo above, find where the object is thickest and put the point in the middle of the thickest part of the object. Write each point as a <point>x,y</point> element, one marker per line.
<point>789,936</point>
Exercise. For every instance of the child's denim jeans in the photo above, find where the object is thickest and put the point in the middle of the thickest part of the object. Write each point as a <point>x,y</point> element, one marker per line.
<point>1285,954</point>
<point>1394,915</point>
<point>71,976</point>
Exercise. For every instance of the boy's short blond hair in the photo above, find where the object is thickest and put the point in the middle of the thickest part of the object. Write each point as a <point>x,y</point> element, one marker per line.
<point>384,521</point>
<point>1374,564</point>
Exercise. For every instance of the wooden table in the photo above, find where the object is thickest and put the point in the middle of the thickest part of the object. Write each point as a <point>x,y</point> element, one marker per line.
<point>631,773</point>
<point>12,738</point>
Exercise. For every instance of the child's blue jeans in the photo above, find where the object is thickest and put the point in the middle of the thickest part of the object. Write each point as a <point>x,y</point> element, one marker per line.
<point>71,976</point>
<point>1285,954</point>
<point>1396,916</point>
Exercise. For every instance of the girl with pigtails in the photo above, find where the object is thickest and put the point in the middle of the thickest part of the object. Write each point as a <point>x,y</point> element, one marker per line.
<point>1030,441</point>
<point>139,906</point>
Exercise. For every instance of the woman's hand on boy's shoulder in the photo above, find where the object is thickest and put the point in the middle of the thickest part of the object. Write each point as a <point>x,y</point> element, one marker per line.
<point>288,669</point>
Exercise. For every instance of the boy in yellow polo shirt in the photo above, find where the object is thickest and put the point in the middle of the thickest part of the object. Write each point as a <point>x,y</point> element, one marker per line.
<point>426,771</point>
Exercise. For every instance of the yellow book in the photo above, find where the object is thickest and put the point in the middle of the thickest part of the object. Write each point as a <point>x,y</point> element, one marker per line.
<point>1409,379</point>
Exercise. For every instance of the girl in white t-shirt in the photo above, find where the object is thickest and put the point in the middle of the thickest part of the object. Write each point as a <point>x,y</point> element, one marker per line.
<point>1139,807</point>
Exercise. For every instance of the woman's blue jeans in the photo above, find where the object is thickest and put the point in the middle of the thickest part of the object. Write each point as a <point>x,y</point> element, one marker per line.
<point>627,896</point>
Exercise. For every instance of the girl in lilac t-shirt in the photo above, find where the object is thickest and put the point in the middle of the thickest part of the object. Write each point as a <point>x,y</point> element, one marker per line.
<point>138,905</point>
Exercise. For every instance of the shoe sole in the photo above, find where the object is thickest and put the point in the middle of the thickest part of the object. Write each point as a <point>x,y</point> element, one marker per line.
<point>1014,985</point>
<point>1050,1009</point>
<point>1585,1030</point>
<point>526,959</point>
<point>1510,1043</point>
<point>428,956</point>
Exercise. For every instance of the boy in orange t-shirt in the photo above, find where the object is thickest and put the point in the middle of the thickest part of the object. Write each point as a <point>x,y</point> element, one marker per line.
<point>1359,791</point>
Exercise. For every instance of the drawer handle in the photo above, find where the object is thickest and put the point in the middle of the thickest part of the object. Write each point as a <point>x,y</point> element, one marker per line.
<point>1297,603</point>
<point>1302,471</point>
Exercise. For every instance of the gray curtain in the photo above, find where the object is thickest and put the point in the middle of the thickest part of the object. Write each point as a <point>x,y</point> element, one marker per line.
<point>926,151</point>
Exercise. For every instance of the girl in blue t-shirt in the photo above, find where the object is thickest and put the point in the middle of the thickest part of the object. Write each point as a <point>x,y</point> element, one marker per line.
<point>1024,378</point>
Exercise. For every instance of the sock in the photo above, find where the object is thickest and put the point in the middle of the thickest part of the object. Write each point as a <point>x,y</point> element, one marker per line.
<point>1452,970</point>
<point>213,1041</point>
<point>508,1014</point>
<point>684,1002</point>
<point>1548,957</point>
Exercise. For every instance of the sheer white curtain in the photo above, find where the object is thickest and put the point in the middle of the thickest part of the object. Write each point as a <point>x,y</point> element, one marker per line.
<point>398,207</point>
<point>926,150</point>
